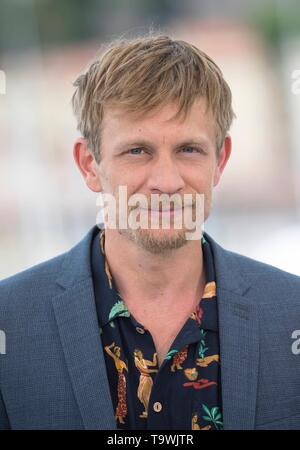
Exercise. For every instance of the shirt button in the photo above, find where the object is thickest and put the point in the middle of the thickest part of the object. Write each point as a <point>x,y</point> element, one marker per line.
<point>157,406</point>
<point>140,330</point>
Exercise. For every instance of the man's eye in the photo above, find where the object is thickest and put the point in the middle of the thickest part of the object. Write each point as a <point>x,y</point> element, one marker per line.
<point>191,150</point>
<point>135,151</point>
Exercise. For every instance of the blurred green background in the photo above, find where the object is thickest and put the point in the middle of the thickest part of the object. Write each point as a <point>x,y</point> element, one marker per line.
<point>44,44</point>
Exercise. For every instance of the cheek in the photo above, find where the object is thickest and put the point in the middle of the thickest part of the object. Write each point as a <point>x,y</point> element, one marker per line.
<point>134,180</point>
<point>102,172</point>
<point>203,181</point>
<point>111,179</point>
<point>216,177</point>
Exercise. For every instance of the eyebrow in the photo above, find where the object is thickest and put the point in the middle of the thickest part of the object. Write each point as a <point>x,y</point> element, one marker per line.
<point>143,142</point>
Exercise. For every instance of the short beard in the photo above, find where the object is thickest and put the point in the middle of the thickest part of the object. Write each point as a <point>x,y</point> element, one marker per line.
<point>155,244</point>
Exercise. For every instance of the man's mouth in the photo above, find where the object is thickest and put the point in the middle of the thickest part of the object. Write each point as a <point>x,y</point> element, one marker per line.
<point>161,210</point>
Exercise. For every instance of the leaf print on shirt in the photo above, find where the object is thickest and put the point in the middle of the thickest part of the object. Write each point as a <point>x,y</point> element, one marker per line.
<point>204,361</point>
<point>214,416</point>
<point>119,309</point>
<point>171,353</point>
<point>202,332</point>
<point>202,349</point>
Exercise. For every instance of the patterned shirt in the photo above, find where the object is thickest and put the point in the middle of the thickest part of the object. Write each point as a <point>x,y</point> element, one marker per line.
<point>184,392</point>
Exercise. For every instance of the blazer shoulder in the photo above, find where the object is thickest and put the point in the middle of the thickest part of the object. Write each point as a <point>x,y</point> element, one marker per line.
<point>38,277</point>
<point>234,269</point>
<point>269,284</point>
<point>49,277</point>
<point>254,267</point>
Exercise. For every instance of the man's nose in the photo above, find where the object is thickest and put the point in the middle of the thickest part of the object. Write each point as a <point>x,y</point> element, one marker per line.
<point>164,175</point>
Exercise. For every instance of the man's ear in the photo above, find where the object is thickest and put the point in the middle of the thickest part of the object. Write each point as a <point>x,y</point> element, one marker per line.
<point>87,165</point>
<point>222,159</point>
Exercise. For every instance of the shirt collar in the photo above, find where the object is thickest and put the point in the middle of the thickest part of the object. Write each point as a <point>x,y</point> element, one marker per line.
<point>208,302</point>
<point>109,303</point>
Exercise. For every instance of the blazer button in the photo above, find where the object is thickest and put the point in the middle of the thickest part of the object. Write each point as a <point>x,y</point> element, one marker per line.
<point>157,406</point>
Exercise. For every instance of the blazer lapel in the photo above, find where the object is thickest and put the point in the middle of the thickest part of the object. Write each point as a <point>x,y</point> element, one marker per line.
<point>77,323</point>
<point>239,341</point>
<point>239,355</point>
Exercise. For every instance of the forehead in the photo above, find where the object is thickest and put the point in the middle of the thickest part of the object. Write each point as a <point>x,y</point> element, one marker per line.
<point>118,123</point>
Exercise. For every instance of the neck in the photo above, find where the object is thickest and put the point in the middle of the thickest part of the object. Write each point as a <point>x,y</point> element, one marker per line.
<point>150,278</point>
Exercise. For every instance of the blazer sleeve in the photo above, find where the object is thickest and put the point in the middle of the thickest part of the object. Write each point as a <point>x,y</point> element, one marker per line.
<point>4,422</point>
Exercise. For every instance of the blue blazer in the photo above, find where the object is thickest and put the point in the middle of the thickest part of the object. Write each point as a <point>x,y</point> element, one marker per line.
<point>53,374</point>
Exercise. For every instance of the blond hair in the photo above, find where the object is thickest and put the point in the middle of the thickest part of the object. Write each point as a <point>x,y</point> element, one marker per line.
<point>143,73</point>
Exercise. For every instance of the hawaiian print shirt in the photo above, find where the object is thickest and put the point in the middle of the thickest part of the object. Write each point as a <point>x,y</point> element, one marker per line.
<point>184,392</point>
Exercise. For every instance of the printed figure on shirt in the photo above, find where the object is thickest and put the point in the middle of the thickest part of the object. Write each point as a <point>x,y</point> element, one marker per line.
<point>121,409</point>
<point>145,381</point>
<point>196,426</point>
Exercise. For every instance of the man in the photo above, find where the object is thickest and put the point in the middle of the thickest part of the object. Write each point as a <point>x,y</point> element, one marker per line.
<point>148,327</point>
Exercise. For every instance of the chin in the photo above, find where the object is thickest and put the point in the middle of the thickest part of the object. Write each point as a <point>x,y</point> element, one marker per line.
<point>157,241</point>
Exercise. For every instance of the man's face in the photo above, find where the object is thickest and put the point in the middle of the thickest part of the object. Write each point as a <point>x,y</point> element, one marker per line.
<point>151,154</point>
